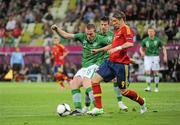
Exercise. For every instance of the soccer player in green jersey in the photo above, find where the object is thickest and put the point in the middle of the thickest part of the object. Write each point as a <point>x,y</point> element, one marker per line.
<point>150,51</point>
<point>90,62</point>
<point>105,32</point>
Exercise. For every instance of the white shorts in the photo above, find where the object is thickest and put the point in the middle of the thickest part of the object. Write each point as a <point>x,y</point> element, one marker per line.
<point>88,72</point>
<point>151,63</point>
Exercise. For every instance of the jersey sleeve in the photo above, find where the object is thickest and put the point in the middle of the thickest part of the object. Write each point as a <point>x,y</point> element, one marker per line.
<point>79,36</point>
<point>128,34</point>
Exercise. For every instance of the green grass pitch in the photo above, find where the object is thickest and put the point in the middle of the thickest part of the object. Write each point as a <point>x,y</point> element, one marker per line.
<point>35,104</point>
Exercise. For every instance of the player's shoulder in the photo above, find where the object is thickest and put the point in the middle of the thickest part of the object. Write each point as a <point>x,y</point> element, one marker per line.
<point>99,36</point>
<point>157,38</point>
<point>145,39</point>
<point>126,29</point>
<point>111,33</point>
<point>60,45</point>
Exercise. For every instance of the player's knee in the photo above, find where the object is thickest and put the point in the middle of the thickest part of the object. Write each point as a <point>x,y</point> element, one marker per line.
<point>75,84</point>
<point>96,79</point>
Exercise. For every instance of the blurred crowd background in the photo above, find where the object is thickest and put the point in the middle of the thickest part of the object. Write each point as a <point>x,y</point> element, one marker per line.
<point>26,24</point>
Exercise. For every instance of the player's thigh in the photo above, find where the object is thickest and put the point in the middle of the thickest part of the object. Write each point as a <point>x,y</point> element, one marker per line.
<point>147,63</point>
<point>122,74</point>
<point>156,63</point>
<point>76,82</point>
<point>80,73</point>
<point>96,79</point>
<point>105,72</point>
<point>86,82</point>
<point>90,71</point>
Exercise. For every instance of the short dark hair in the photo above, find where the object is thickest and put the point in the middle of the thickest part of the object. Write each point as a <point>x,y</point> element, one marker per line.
<point>119,15</point>
<point>91,26</point>
<point>105,18</point>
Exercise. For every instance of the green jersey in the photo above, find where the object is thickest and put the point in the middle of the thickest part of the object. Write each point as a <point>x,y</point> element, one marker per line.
<point>109,36</point>
<point>152,46</point>
<point>87,57</point>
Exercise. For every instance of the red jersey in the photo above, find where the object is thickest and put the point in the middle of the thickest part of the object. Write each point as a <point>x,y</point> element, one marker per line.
<point>121,36</point>
<point>57,52</point>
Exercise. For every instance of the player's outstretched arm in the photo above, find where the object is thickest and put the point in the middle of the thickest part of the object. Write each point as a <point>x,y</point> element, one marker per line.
<point>106,48</point>
<point>124,46</point>
<point>62,32</point>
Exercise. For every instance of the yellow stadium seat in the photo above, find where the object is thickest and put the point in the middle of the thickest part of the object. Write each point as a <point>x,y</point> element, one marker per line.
<point>39,29</point>
<point>26,37</point>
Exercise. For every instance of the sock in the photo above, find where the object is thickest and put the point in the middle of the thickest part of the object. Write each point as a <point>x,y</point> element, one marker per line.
<point>156,80</point>
<point>117,91</point>
<point>76,94</point>
<point>87,100</point>
<point>97,94</point>
<point>61,84</point>
<point>133,96</point>
<point>90,95</point>
<point>60,79</point>
<point>148,80</point>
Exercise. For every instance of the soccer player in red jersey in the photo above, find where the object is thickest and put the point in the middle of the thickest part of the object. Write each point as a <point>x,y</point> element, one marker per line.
<point>117,65</point>
<point>59,52</point>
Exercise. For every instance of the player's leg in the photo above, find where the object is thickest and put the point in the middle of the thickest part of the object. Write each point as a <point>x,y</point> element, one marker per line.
<point>155,68</point>
<point>121,104</point>
<point>122,74</point>
<point>87,102</point>
<point>89,92</point>
<point>58,75</point>
<point>75,85</point>
<point>15,71</point>
<point>104,73</point>
<point>147,67</point>
<point>90,72</point>
<point>97,95</point>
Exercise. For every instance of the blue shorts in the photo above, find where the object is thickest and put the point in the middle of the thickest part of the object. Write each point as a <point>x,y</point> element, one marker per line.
<point>58,69</point>
<point>110,70</point>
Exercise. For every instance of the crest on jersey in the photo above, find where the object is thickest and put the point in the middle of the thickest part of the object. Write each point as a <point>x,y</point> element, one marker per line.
<point>155,42</point>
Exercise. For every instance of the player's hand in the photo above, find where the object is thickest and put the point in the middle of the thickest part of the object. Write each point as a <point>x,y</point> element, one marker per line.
<point>94,51</point>
<point>54,27</point>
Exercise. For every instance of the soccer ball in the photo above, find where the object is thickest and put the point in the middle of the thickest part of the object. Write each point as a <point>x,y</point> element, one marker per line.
<point>63,109</point>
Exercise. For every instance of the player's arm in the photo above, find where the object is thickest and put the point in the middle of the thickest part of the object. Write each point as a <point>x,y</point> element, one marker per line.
<point>128,35</point>
<point>142,48</point>
<point>65,53</point>
<point>165,54</point>
<point>124,46</point>
<point>142,51</point>
<point>62,32</point>
<point>106,48</point>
